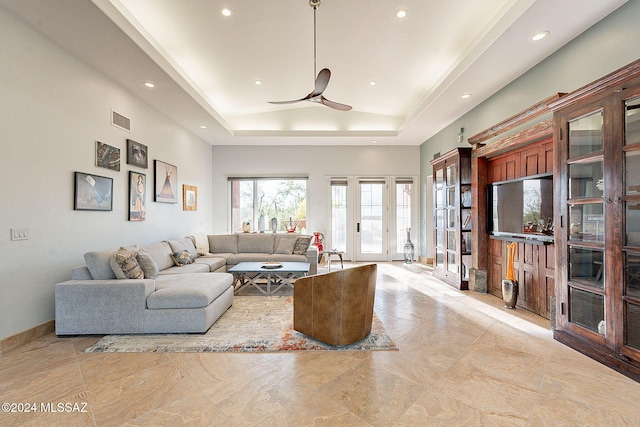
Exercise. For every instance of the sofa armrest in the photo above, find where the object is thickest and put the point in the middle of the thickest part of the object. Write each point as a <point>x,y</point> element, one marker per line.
<point>101,306</point>
<point>312,259</point>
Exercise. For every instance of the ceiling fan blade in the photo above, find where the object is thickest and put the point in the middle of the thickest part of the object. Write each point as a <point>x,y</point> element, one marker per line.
<point>335,105</point>
<point>321,82</point>
<point>291,102</point>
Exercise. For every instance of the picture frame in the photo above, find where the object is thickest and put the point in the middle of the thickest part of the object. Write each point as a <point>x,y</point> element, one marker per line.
<point>165,182</point>
<point>189,198</point>
<point>92,192</point>
<point>137,154</point>
<point>137,196</point>
<point>107,156</point>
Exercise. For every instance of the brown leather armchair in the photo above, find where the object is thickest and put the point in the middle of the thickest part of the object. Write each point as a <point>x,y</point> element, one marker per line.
<point>337,307</point>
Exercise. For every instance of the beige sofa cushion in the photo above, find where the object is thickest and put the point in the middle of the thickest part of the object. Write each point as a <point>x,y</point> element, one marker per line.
<point>161,254</point>
<point>223,243</point>
<point>255,243</point>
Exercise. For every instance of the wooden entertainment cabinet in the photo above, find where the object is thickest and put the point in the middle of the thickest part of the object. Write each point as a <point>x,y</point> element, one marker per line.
<point>518,149</point>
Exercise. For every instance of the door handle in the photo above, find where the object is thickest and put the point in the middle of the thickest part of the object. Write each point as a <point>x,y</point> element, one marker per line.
<point>358,227</point>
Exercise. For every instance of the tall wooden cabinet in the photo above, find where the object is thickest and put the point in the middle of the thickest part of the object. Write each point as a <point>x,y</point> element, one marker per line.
<point>597,187</point>
<point>452,217</point>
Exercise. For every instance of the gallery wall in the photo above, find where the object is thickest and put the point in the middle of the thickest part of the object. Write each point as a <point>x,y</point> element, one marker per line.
<point>608,45</point>
<point>54,108</point>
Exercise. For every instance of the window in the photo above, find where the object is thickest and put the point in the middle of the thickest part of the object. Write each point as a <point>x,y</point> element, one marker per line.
<point>338,236</point>
<point>258,200</point>
<point>403,211</point>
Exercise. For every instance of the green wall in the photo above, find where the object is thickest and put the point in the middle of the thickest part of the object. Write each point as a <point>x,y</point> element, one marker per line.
<point>608,45</point>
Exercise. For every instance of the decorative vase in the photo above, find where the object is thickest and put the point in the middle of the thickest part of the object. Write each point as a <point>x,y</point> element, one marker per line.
<point>510,285</point>
<point>408,248</point>
<point>509,293</point>
<point>274,224</point>
<point>317,241</point>
<point>261,223</point>
<point>246,226</point>
<point>291,225</point>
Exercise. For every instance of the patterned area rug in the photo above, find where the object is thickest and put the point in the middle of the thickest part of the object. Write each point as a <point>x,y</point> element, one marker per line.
<point>252,324</point>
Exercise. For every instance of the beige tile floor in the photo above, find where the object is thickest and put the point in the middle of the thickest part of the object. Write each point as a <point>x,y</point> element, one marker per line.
<point>464,360</point>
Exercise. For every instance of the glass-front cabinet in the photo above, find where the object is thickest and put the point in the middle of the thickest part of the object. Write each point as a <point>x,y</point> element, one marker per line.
<point>451,217</point>
<point>598,243</point>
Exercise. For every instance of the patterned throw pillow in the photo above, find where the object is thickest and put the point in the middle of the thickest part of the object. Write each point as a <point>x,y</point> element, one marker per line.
<point>182,258</point>
<point>124,264</point>
<point>302,244</point>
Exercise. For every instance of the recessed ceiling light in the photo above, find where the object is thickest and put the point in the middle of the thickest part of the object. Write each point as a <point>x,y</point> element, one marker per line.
<point>540,35</point>
<point>258,82</point>
<point>225,11</point>
<point>372,83</point>
<point>149,84</point>
<point>465,95</point>
<point>401,13</point>
<point>203,126</point>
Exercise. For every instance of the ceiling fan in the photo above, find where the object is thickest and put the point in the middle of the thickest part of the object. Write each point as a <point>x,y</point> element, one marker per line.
<point>322,79</point>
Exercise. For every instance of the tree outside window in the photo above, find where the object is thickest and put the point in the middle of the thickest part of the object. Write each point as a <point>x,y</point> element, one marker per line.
<point>267,198</point>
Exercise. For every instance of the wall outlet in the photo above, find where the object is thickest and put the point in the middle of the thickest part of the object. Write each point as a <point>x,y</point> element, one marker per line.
<point>19,234</point>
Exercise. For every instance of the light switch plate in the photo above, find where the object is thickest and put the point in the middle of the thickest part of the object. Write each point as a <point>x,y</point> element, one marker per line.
<point>19,234</point>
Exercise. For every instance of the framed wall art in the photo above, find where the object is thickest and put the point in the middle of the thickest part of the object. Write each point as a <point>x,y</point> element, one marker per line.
<point>189,198</point>
<point>92,192</point>
<point>137,154</point>
<point>165,182</point>
<point>137,196</point>
<point>107,156</point>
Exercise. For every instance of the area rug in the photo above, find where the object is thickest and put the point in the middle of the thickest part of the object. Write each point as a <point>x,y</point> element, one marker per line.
<point>252,324</point>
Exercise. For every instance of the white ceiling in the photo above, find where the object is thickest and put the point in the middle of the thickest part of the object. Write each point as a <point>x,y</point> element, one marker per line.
<point>204,65</point>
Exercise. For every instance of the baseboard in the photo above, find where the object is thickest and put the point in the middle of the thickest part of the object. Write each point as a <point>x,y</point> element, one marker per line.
<point>25,337</point>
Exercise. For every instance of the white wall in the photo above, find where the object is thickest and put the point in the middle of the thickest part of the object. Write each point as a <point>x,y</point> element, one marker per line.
<point>316,162</point>
<point>53,108</point>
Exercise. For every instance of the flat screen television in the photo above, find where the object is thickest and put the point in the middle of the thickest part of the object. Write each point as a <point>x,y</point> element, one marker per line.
<point>521,208</point>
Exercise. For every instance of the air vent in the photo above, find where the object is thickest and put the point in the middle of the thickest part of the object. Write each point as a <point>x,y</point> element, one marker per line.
<point>120,121</point>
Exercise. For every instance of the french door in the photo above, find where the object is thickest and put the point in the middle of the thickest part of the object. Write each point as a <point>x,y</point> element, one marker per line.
<point>372,219</point>
<point>368,217</point>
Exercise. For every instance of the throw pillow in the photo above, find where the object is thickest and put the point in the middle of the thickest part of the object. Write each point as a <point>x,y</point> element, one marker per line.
<point>148,265</point>
<point>286,245</point>
<point>302,244</point>
<point>124,264</point>
<point>98,263</point>
<point>182,258</point>
<point>201,242</point>
<point>184,244</point>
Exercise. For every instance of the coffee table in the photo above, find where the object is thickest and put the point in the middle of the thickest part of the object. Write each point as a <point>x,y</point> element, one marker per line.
<point>246,273</point>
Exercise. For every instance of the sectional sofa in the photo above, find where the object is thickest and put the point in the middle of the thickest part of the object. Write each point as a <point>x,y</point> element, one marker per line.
<point>173,286</point>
